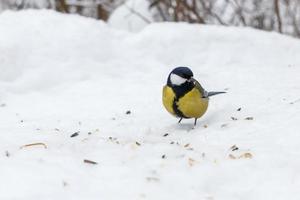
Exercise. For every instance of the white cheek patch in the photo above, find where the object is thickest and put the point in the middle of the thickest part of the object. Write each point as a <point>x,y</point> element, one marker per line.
<point>177,80</point>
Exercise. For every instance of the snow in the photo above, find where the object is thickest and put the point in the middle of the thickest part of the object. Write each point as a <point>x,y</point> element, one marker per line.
<point>61,74</point>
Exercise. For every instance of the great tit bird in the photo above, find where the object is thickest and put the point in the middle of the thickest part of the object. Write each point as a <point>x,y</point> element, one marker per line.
<point>183,96</point>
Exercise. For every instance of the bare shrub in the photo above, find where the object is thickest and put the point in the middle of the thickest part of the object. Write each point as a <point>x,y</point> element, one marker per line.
<point>272,15</point>
<point>99,9</point>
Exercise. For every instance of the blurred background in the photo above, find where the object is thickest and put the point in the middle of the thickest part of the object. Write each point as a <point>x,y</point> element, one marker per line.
<point>282,16</point>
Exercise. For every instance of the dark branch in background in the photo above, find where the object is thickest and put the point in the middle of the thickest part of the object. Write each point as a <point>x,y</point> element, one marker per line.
<point>133,11</point>
<point>155,4</point>
<point>102,13</point>
<point>238,11</point>
<point>193,11</point>
<point>210,11</point>
<point>272,15</point>
<point>296,22</point>
<point>62,6</point>
<point>277,15</point>
<point>277,11</point>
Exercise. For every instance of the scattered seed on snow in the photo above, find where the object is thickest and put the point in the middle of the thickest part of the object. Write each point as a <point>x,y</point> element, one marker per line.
<point>128,112</point>
<point>191,162</point>
<point>152,179</point>
<point>137,143</point>
<point>293,102</point>
<point>186,145</point>
<point>75,134</point>
<point>224,125</point>
<point>234,148</point>
<point>65,183</point>
<point>34,144</point>
<point>246,155</point>
<point>249,118</point>
<point>90,162</point>
<point>112,139</point>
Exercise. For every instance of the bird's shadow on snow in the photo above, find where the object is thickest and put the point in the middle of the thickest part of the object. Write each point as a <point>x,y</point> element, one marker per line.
<point>188,124</point>
<point>211,119</point>
<point>183,126</point>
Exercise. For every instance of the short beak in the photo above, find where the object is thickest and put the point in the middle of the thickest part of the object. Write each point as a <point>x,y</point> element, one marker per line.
<point>191,80</point>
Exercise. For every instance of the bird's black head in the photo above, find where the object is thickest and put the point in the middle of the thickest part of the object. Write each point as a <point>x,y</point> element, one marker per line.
<point>181,80</point>
<point>179,76</point>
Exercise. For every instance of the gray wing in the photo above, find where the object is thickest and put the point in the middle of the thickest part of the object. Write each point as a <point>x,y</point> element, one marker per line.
<point>203,92</point>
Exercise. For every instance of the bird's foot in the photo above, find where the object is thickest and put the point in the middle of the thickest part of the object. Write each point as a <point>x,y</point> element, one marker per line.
<point>195,122</point>
<point>179,120</point>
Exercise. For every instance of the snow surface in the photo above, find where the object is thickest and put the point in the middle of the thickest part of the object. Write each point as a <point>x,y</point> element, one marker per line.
<point>61,74</point>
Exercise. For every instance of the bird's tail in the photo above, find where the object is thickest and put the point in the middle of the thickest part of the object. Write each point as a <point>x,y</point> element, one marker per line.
<point>214,93</point>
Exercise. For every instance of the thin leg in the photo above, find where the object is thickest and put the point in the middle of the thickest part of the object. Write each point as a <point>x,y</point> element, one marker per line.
<point>195,121</point>
<point>180,120</point>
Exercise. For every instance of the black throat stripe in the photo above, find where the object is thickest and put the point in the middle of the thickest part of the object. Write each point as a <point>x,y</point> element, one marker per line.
<point>176,109</point>
<point>180,91</point>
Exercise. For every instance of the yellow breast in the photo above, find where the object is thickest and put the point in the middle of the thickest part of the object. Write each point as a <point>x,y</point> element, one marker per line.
<point>168,98</point>
<point>192,105</point>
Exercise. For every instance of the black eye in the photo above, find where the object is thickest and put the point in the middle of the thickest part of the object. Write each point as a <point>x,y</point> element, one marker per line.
<point>187,76</point>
